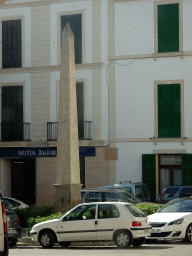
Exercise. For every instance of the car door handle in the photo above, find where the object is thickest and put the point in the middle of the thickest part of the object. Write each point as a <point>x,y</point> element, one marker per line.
<point>96,222</point>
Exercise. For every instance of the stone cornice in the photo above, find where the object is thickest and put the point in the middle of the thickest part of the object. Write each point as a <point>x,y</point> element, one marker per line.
<point>48,68</point>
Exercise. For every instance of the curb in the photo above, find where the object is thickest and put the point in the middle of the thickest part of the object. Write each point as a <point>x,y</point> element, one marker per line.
<point>27,241</point>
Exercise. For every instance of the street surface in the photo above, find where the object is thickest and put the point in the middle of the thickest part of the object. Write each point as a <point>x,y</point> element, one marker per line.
<point>160,249</point>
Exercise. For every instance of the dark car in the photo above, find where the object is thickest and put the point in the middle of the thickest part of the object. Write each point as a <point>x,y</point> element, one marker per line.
<point>138,189</point>
<point>173,192</point>
<point>13,227</point>
<point>107,195</point>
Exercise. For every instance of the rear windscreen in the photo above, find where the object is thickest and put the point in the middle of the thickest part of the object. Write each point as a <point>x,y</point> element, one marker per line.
<point>185,192</point>
<point>134,211</point>
<point>170,192</point>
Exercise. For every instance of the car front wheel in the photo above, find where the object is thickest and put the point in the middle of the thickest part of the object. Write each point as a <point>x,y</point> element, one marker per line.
<point>47,239</point>
<point>188,236</point>
<point>137,242</point>
<point>123,239</point>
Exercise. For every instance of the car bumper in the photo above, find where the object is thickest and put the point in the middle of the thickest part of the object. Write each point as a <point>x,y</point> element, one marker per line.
<point>14,232</point>
<point>167,233</point>
<point>141,232</point>
<point>34,236</point>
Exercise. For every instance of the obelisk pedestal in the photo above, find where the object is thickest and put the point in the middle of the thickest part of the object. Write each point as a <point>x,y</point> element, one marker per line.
<point>68,187</point>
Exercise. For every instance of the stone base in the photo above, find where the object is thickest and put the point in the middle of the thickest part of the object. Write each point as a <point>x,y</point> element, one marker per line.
<point>67,196</point>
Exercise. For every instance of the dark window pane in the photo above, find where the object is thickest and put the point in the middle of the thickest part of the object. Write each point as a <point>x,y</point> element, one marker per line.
<point>185,192</point>
<point>170,192</point>
<point>107,211</point>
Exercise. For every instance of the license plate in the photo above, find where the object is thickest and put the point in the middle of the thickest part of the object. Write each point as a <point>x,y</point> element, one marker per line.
<point>156,230</point>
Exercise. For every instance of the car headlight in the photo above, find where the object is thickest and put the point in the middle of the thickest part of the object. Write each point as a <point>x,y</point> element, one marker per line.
<point>176,222</point>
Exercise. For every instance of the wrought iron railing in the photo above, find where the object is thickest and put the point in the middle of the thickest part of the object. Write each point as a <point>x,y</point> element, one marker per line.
<point>15,132</point>
<point>84,129</point>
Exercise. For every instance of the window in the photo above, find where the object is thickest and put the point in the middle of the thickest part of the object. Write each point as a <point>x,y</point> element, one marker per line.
<point>169,111</point>
<point>75,23</point>
<point>83,212</point>
<point>108,211</point>
<point>138,191</point>
<point>168,27</point>
<point>186,192</point>
<point>170,192</point>
<point>113,197</point>
<point>11,44</point>
<point>94,197</point>
<point>134,211</point>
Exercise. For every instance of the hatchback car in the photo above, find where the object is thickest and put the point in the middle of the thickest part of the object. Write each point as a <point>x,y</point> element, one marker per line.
<point>13,227</point>
<point>107,195</point>
<point>118,221</point>
<point>14,203</point>
<point>138,189</point>
<point>172,192</point>
<point>173,221</point>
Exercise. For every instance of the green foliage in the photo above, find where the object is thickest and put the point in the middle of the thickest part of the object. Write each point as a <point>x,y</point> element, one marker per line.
<point>149,208</point>
<point>32,221</point>
<point>26,213</point>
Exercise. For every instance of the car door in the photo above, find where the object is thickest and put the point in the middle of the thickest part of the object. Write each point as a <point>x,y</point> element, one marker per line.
<point>107,221</point>
<point>79,224</point>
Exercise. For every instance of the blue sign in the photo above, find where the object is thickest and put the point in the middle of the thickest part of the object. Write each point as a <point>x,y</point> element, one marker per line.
<point>40,151</point>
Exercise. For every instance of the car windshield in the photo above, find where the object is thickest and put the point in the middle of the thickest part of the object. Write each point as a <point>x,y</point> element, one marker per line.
<point>178,205</point>
<point>129,197</point>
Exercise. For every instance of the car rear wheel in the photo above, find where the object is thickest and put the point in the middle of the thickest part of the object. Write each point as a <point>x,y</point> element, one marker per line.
<point>47,239</point>
<point>65,244</point>
<point>188,236</point>
<point>123,239</point>
<point>137,242</point>
<point>12,241</point>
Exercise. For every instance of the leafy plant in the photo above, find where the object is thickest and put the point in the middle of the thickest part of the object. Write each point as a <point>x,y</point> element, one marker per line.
<point>149,208</point>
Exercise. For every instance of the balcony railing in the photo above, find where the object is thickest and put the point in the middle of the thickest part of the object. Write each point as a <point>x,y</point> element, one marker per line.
<point>84,129</point>
<point>15,132</point>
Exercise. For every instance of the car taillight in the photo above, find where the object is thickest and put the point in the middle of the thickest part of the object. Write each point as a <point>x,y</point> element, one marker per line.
<point>17,219</point>
<point>4,218</point>
<point>136,224</point>
<point>161,196</point>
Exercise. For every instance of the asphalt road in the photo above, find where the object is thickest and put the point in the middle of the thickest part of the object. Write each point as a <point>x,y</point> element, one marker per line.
<point>160,249</point>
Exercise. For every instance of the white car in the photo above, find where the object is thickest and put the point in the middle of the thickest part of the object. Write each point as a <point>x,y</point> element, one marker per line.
<point>118,221</point>
<point>173,221</point>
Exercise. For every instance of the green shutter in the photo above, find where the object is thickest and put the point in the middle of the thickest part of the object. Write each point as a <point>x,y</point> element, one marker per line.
<point>168,27</point>
<point>169,111</point>
<point>149,173</point>
<point>187,169</point>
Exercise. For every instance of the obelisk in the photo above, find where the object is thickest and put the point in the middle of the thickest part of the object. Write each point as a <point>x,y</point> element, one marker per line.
<point>68,187</point>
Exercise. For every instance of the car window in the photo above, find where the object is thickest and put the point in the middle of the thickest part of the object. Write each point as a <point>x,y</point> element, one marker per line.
<point>178,205</point>
<point>82,212</point>
<point>145,191</point>
<point>129,197</point>
<point>138,191</point>
<point>107,211</point>
<point>185,192</point>
<point>112,197</point>
<point>134,211</point>
<point>13,202</point>
<point>94,197</point>
<point>169,192</point>
<point>125,188</point>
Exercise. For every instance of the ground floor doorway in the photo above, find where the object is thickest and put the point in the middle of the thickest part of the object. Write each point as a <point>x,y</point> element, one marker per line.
<point>23,180</point>
<point>170,170</point>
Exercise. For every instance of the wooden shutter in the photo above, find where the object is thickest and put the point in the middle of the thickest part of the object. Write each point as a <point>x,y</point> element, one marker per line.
<point>168,28</point>
<point>11,44</point>
<point>80,109</point>
<point>187,169</point>
<point>149,173</point>
<point>169,111</point>
<point>75,24</point>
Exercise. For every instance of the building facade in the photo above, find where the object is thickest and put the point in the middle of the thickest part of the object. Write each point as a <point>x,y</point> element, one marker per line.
<point>133,62</point>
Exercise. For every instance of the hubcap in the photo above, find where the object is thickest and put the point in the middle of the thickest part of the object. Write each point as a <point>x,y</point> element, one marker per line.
<point>45,240</point>
<point>123,239</point>
<point>189,234</point>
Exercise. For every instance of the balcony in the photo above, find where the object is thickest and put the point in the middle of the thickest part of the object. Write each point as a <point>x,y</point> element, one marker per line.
<point>15,132</point>
<point>84,129</point>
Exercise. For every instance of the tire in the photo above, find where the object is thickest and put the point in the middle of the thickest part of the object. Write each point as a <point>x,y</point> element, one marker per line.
<point>65,244</point>
<point>188,235</point>
<point>138,242</point>
<point>47,239</point>
<point>123,239</point>
<point>12,241</point>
